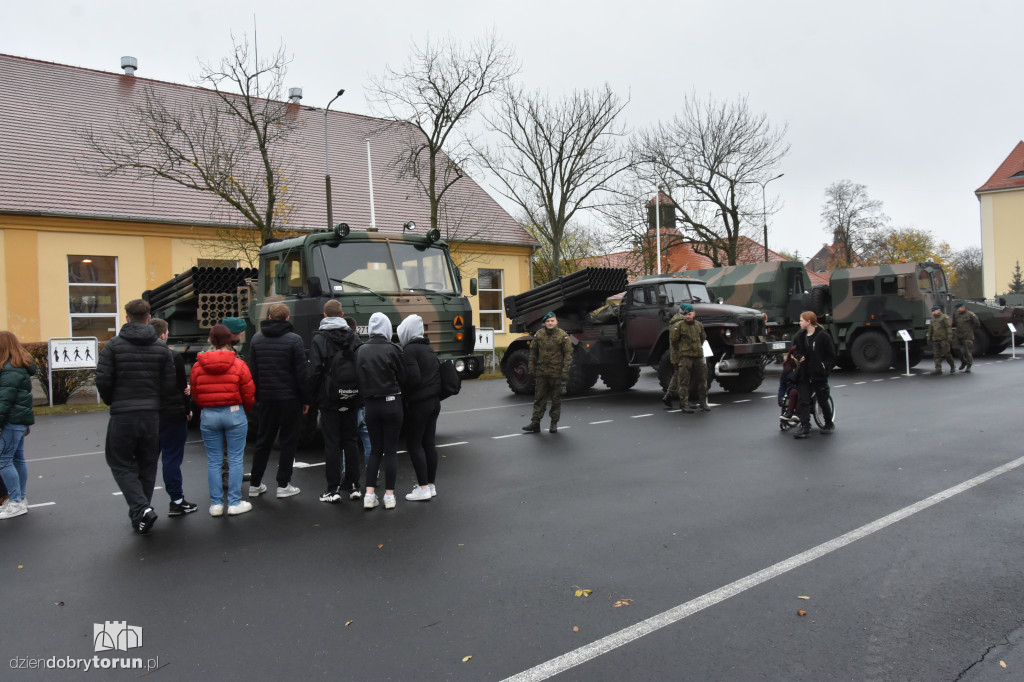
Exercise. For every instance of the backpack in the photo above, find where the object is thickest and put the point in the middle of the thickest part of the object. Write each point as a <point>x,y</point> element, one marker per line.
<point>451,383</point>
<point>342,381</point>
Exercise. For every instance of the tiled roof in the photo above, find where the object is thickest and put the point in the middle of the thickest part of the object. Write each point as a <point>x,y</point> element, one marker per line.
<point>45,106</point>
<point>1010,173</point>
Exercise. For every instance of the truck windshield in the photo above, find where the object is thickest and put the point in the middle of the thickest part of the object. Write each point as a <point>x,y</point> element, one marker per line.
<point>353,265</point>
<point>685,292</point>
<point>931,279</point>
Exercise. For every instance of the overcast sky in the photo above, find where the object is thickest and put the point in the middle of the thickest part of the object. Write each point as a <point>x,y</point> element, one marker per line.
<point>919,101</point>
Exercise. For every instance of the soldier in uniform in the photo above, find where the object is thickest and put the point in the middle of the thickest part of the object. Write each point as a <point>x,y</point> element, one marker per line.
<point>672,392</point>
<point>550,358</point>
<point>940,333</point>
<point>964,324</point>
<point>686,345</point>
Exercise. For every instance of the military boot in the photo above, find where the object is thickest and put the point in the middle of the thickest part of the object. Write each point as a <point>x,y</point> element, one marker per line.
<point>532,427</point>
<point>952,368</point>
<point>667,399</point>
<point>554,427</point>
<point>937,370</point>
<point>962,364</point>
<point>686,407</point>
<point>704,407</point>
<point>967,370</point>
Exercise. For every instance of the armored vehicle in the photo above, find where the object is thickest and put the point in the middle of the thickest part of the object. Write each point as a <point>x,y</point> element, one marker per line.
<point>396,274</point>
<point>864,308</point>
<point>615,341</point>
<point>994,335</point>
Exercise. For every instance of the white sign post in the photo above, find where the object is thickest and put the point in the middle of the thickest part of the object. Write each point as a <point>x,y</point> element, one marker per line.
<point>905,335</point>
<point>485,341</point>
<point>1013,340</point>
<point>68,353</point>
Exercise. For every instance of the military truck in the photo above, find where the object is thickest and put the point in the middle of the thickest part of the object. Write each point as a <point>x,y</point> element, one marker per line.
<point>864,308</point>
<point>615,341</point>
<point>396,274</point>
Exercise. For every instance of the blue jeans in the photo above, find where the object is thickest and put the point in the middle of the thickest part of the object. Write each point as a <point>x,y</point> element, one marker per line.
<point>364,435</point>
<point>172,451</point>
<point>12,460</point>
<point>217,425</point>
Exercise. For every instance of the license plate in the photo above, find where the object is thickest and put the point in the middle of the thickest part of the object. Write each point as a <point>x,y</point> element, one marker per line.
<point>779,345</point>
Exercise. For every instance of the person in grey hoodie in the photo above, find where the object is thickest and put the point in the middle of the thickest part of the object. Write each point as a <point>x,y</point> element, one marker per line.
<point>422,405</point>
<point>381,371</point>
<point>334,387</point>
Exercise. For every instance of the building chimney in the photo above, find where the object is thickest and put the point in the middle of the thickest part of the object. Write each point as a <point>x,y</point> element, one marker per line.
<point>294,95</point>
<point>129,64</point>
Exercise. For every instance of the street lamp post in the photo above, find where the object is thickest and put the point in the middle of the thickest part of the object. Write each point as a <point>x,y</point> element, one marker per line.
<point>327,164</point>
<point>764,212</point>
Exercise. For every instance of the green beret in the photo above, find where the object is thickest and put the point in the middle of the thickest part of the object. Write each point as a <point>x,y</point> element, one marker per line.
<point>686,308</point>
<point>235,325</point>
<point>547,317</point>
<point>961,304</point>
<point>936,307</point>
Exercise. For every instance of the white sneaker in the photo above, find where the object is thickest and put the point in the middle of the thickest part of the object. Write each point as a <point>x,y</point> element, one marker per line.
<point>433,490</point>
<point>418,494</point>
<point>370,500</point>
<point>13,509</point>
<point>216,510</point>
<point>240,508</point>
<point>389,501</point>
<point>287,491</point>
<point>257,490</point>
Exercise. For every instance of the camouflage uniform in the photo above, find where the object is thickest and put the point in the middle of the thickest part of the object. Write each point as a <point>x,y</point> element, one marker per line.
<point>550,358</point>
<point>963,327</point>
<point>940,333</point>
<point>672,391</point>
<point>686,348</point>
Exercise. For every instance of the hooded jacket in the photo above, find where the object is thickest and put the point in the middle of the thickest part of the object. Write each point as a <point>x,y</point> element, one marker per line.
<point>134,370</point>
<point>277,361</point>
<point>818,352</point>
<point>379,363</point>
<point>16,395</point>
<point>334,336</point>
<point>219,378</point>
<point>423,369</point>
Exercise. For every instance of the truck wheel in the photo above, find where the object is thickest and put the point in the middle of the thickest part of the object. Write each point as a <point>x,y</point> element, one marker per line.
<point>621,378</point>
<point>580,379</point>
<point>997,348</point>
<point>871,352</point>
<point>747,382</point>
<point>982,341</point>
<point>819,299</point>
<point>517,372</point>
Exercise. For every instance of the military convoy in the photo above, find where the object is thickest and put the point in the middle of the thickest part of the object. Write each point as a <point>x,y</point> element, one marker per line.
<point>615,341</point>
<point>864,307</point>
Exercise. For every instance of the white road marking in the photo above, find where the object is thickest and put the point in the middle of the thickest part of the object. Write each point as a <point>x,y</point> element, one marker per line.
<point>306,465</point>
<point>158,487</point>
<point>448,445</point>
<point>639,416</point>
<point>858,383</point>
<point>767,397</point>
<point>840,386</point>
<point>42,504</point>
<point>674,615</point>
<point>603,421</point>
<point>896,377</point>
<point>607,394</point>
<point>745,400</point>
<point>510,435</point>
<point>877,380</point>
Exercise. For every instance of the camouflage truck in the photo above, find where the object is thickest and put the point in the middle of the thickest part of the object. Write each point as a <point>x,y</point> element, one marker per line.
<point>615,341</point>
<point>864,308</point>
<point>994,335</point>
<point>395,274</point>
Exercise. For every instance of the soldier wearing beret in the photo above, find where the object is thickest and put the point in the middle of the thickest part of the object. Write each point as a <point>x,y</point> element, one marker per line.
<point>686,339</point>
<point>940,333</point>
<point>550,358</point>
<point>964,324</point>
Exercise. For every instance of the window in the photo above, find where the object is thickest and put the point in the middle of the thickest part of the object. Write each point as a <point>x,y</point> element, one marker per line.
<point>491,288</point>
<point>890,286</point>
<point>863,287</point>
<point>292,274</point>
<point>92,296</point>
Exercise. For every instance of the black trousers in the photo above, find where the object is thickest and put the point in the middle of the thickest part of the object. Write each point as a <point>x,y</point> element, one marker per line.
<point>340,429</point>
<point>132,451</point>
<point>420,432</point>
<point>384,422</point>
<point>276,416</point>
<point>820,388</point>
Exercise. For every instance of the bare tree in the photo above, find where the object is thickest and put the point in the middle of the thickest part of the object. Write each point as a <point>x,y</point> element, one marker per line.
<point>709,159</point>
<point>437,92</point>
<point>228,142</point>
<point>968,265</point>
<point>853,218</point>
<point>634,223</point>
<point>556,159</point>
<point>578,244</point>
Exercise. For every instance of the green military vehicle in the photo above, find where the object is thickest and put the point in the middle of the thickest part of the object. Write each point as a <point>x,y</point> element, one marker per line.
<point>395,274</point>
<point>864,308</point>
<point>614,342</point>
<point>994,336</point>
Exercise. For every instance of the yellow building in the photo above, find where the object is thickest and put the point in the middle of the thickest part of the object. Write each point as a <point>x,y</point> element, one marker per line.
<point>1002,222</point>
<point>76,246</point>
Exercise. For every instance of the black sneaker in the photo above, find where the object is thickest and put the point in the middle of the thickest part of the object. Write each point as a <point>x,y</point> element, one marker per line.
<point>145,524</point>
<point>185,507</point>
<point>331,495</point>
<point>354,493</point>
<point>828,428</point>
<point>802,432</point>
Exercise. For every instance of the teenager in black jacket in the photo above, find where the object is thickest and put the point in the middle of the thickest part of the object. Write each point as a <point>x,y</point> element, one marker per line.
<point>382,373</point>
<point>816,355</point>
<point>422,406</point>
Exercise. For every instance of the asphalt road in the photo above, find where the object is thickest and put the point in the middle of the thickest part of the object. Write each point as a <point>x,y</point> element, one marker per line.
<point>697,537</point>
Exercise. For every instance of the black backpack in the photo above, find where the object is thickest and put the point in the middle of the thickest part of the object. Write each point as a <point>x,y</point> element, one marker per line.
<point>342,381</point>
<point>451,382</point>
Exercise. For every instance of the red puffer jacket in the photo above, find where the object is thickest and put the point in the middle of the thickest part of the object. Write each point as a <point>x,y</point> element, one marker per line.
<point>219,377</point>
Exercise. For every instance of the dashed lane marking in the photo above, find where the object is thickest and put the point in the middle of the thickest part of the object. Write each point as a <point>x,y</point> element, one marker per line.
<point>42,504</point>
<point>877,380</point>
<point>615,640</point>
<point>508,435</point>
<point>745,400</point>
<point>858,383</point>
<point>640,416</point>
<point>603,421</point>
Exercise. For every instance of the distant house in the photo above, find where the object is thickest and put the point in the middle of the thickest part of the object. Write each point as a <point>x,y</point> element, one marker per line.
<point>76,247</point>
<point>828,258</point>
<point>1002,222</point>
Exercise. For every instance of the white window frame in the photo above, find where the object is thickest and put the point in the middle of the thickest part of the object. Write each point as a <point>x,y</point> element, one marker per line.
<point>117,293</point>
<point>501,297</point>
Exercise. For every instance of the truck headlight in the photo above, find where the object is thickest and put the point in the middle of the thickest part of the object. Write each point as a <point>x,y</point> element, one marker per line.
<point>460,366</point>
